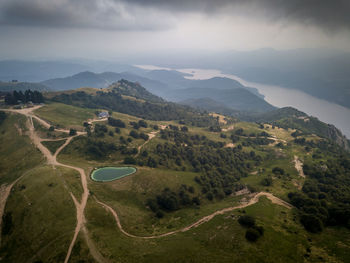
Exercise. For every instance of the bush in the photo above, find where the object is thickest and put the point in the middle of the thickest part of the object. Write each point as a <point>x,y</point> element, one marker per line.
<point>248,221</point>
<point>72,132</point>
<point>142,123</point>
<point>134,134</point>
<point>116,122</point>
<point>144,136</point>
<point>129,160</point>
<point>252,234</point>
<point>159,214</point>
<point>278,171</point>
<point>266,181</point>
<point>311,223</point>
<point>51,129</point>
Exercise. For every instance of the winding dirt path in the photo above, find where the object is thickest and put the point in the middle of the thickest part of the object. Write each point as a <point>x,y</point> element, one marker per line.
<point>80,206</point>
<point>52,160</point>
<point>255,198</point>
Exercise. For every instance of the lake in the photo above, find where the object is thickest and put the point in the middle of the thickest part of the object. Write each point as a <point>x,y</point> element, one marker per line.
<point>278,96</point>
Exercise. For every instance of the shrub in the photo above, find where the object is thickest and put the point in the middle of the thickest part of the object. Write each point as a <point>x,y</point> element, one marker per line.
<point>311,223</point>
<point>144,136</point>
<point>116,122</point>
<point>248,221</point>
<point>266,181</point>
<point>72,132</point>
<point>129,160</point>
<point>278,171</point>
<point>252,234</point>
<point>134,134</point>
<point>142,123</point>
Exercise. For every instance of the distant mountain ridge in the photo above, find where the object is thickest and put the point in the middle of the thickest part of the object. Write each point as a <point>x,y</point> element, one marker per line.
<point>237,99</point>
<point>232,94</point>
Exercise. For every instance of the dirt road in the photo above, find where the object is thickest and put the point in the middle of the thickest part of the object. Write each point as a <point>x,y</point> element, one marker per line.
<point>52,160</point>
<point>254,199</point>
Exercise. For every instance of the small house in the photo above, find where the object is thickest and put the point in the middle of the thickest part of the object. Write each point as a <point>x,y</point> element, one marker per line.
<point>103,114</point>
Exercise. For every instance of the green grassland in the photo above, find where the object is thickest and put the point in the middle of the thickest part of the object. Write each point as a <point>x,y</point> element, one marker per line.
<point>44,133</point>
<point>219,240</point>
<point>43,218</point>
<point>17,154</point>
<point>66,116</point>
<point>42,198</point>
<point>53,145</point>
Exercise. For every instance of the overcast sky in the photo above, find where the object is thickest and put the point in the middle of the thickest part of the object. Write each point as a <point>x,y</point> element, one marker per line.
<point>109,28</point>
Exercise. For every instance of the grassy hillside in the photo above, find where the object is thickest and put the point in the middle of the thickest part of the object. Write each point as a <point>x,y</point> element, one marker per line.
<point>60,115</point>
<point>43,218</point>
<point>17,154</point>
<point>184,173</point>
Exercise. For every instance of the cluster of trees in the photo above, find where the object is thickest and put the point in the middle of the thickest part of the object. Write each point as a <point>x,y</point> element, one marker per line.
<point>220,167</point>
<point>325,196</point>
<point>253,231</point>
<point>169,200</point>
<point>137,135</point>
<point>116,122</point>
<point>147,110</point>
<point>16,97</point>
<point>139,124</point>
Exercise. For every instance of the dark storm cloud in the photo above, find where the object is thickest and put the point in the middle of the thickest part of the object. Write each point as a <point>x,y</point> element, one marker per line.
<point>327,14</point>
<point>101,14</point>
<point>128,14</point>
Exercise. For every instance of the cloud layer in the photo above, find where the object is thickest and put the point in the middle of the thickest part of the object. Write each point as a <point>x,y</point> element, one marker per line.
<point>330,15</point>
<point>99,14</point>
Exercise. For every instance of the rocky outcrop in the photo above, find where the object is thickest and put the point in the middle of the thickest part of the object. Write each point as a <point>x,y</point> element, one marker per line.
<point>335,135</point>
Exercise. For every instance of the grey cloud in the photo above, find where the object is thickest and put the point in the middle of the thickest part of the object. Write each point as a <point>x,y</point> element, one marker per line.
<point>327,14</point>
<point>144,14</point>
<point>100,14</point>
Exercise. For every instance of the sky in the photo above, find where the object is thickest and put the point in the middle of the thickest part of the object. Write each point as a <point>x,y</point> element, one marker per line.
<point>106,29</point>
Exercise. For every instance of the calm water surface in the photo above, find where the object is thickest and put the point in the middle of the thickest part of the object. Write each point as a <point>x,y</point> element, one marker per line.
<point>281,97</point>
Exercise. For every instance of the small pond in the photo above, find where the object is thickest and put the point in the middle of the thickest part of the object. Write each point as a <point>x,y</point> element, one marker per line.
<point>107,174</point>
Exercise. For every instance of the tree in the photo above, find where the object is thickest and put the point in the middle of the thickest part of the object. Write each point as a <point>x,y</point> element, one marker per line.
<point>129,160</point>
<point>142,123</point>
<point>252,234</point>
<point>311,223</point>
<point>266,181</point>
<point>134,134</point>
<point>246,220</point>
<point>72,132</point>
<point>116,122</point>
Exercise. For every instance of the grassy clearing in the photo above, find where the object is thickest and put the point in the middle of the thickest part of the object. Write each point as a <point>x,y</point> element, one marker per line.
<point>53,145</point>
<point>71,180</point>
<point>129,195</point>
<point>17,154</point>
<point>219,240</point>
<point>62,115</point>
<point>43,218</point>
<point>44,133</point>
